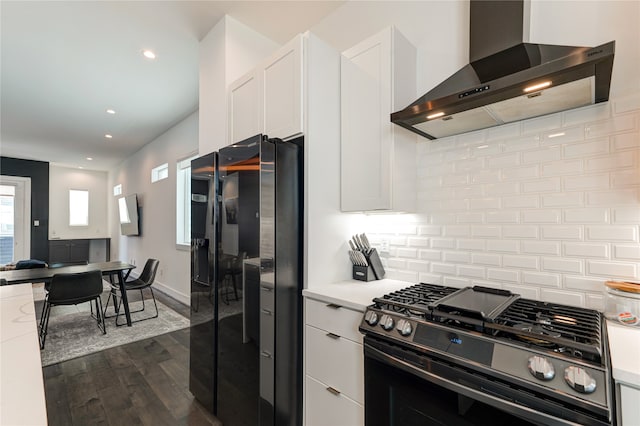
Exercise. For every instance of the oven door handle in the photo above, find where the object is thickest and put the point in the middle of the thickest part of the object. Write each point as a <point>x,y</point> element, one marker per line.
<point>522,411</point>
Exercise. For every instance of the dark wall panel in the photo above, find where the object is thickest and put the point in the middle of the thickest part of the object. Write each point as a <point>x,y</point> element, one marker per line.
<point>38,171</point>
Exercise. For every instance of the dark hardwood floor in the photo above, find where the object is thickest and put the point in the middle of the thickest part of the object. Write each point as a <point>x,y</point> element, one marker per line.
<point>141,383</point>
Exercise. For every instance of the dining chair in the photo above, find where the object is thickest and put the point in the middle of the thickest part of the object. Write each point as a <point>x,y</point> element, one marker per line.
<point>72,289</point>
<point>144,281</point>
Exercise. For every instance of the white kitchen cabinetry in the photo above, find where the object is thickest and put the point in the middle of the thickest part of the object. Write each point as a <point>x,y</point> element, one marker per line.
<point>334,365</point>
<point>378,164</point>
<point>629,402</point>
<point>269,99</point>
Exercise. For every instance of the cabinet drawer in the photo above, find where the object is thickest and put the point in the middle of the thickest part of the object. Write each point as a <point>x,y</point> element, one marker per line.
<point>336,361</point>
<point>336,319</point>
<point>325,408</point>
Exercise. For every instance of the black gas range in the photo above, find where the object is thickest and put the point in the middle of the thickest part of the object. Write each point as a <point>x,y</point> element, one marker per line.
<point>478,355</point>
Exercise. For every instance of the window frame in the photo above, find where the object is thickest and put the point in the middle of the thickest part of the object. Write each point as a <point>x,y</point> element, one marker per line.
<point>183,201</point>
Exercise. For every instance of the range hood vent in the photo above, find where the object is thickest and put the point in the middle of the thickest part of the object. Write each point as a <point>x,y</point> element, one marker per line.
<point>507,79</point>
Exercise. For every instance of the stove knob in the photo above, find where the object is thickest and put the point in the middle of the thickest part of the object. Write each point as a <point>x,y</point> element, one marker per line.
<point>386,322</point>
<point>404,327</point>
<point>371,317</point>
<point>541,368</point>
<point>579,379</point>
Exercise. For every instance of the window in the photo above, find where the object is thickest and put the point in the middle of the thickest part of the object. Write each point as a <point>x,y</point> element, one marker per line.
<point>117,190</point>
<point>160,172</point>
<point>78,207</point>
<point>183,201</point>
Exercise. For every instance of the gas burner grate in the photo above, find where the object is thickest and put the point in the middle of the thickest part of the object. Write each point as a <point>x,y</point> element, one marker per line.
<point>563,328</point>
<point>414,301</point>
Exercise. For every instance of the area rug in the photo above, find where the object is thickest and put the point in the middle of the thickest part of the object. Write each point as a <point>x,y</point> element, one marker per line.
<point>77,334</point>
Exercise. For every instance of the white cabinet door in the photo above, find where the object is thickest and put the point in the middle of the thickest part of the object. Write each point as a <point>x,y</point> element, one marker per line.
<point>282,75</point>
<point>245,107</point>
<point>336,361</point>
<point>326,407</point>
<point>377,159</point>
<point>629,405</point>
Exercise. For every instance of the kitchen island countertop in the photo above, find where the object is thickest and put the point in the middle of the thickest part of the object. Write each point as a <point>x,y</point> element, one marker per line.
<point>354,294</point>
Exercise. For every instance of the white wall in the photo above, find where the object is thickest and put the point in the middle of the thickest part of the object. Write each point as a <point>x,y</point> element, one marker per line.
<point>61,180</point>
<point>158,208</point>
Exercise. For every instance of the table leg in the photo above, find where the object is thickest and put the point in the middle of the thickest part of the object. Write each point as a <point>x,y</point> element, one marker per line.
<point>123,294</point>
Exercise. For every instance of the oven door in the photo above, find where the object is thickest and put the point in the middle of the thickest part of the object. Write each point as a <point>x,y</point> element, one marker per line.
<point>406,388</point>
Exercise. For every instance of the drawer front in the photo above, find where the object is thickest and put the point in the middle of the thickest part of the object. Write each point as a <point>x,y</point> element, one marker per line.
<point>336,361</point>
<point>325,408</point>
<point>338,320</point>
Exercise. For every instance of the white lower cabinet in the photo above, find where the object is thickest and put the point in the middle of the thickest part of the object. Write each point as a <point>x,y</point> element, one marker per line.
<point>327,408</point>
<point>629,403</point>
<point>334,365</point>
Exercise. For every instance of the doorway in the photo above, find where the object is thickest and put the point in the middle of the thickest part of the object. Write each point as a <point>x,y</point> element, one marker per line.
<point>15,219</point>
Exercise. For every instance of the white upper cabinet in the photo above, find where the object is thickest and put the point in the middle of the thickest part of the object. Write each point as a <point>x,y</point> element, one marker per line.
<point>268,99</point>
<point>245,107</point>
<point>378,158</point>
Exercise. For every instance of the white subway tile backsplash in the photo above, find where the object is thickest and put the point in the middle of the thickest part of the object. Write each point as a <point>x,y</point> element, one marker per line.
<point>547,154</point>
<point>562,297</point>
<point>566,199</point>
<point>626,141</point>
<point>508,216</point>
<point>626,215</point>
<point>587,149</point>
<point>548,208</point>
<point>562,167</point>
<point>617,124</point>
<point>590,215</point>
<point>456,256</point>
<point>471,271</point>
<point>542,185</point>
<point>615,161</point>
<point>540,247</point>
<point>520,173</point>
<point>541,216</point>
<point>582,182</point>
<point>467,244</point>
<point>541,279</point>
<point>521,262</point>
<point>584,283</point>
<point>612,197</point>
<point>595,250</point>
<point>504,246</point>
<point>612,233</point>
<point>521,231</point>
<point>485,259</point>
<point>503,275</point>
<point>586,114</point>
<point>536,125</point>
<point>562,232</point>
<point>561,265</point>
<point>611,269</point>
<point>521,202</point>
<point>626,252</point>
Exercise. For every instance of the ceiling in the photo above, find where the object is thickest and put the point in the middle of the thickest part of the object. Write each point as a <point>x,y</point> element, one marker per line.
<point>64,63</point>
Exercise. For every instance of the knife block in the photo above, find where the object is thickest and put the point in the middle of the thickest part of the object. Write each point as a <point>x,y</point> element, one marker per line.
<point>363,273</point>
<point>376,264</point>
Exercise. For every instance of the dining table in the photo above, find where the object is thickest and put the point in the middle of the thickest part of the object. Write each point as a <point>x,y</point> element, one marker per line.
<point>112,270</point>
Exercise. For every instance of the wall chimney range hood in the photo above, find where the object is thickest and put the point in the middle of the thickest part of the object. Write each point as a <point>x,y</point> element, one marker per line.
<point>507,79</point>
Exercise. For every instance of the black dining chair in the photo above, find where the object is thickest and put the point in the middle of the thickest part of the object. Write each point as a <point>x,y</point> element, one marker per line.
<point>144,281</point>
<point>72,289</point>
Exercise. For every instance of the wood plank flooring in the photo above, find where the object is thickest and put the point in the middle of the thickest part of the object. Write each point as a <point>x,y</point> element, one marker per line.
<point>141,383</point>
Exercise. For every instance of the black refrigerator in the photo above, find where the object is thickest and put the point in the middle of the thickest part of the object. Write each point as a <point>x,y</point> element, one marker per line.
<point>246,282</point>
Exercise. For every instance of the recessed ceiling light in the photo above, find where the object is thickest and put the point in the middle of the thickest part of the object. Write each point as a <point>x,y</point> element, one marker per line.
<point>89,158</point>
<point>108,136</point>
<point>148,54</point>
<point>111,111</point>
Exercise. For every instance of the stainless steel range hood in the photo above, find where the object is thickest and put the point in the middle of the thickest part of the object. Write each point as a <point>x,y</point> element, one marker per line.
<point>508,80</point>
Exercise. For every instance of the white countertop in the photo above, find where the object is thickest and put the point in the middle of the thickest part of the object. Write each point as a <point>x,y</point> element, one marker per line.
<point>22,400</point>
<point>354,294</point>
<point>624,345</point>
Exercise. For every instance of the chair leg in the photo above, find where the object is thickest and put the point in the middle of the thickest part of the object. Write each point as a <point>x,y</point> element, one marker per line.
<point>44,324</point>
<point>116,305</point>
<point>139,310</point>
<point>102,324</point>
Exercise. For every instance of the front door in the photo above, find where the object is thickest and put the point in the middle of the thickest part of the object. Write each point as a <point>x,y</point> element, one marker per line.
<point>15,219</point>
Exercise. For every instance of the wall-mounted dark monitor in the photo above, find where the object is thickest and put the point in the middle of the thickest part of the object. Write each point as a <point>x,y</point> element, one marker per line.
<point>128,214</point>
